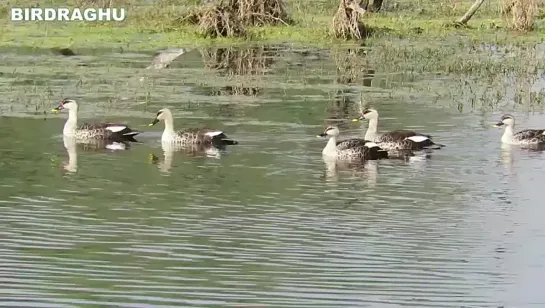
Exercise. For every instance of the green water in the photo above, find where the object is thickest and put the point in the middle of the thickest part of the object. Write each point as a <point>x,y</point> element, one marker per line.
<point>268,223</point>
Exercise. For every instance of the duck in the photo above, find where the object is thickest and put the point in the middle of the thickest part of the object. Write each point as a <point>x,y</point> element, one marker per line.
<point>397,139</point>
<point>163,58</point>
<point>348,149</point>
<point>527,137</point>
<point>189,136</point>
<point>103,131</point>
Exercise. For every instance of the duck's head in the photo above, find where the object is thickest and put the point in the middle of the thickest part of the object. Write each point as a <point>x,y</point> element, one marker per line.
<point>162,114</point>
<point>66,103</point>
<point>329,131</point>
<point>367,114</point>
<point>506,119</point>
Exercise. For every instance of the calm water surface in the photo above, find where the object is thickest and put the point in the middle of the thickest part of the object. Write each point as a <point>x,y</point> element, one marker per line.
<point>267,224</point>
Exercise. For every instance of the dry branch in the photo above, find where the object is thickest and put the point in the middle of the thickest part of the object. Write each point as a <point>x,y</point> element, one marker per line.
<point>233,17</point>
<point>519,14</point>
<point>346,22</point>
<point>472,10</point>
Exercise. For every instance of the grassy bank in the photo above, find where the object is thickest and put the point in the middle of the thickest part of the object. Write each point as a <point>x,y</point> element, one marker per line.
<point>159,25</point>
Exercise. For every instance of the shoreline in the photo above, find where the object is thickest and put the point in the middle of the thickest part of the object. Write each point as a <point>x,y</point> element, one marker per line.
<point>159,27</point>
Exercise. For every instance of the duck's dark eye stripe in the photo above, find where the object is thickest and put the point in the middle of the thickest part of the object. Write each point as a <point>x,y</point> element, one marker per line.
<point>158,113</point>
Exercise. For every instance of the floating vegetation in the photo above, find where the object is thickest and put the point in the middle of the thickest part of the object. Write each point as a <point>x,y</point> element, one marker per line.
<point>67,52</point>
<point>235,90</point>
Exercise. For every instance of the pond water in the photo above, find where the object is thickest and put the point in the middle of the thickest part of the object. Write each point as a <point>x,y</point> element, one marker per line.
<point>267,223</point>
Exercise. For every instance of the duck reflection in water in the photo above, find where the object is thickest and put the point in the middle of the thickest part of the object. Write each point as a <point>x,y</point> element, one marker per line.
<point>72,145</point>
<point>507,157</point>
<point>189,151</point>
<point>366,170</point>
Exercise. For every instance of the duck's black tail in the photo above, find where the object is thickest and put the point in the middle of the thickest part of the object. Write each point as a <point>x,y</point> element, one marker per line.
<point>129,138</point>
<point>436,146</point>
<point>227,141</point>
<point>430,145</point>
<point>383,154</point>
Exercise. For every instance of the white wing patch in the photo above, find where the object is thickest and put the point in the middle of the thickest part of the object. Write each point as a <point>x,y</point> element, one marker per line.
<point>116,146</point>
<point>116,129</point>
<point>371,144</point>
<point>213,134</point>
<point>418,138</point>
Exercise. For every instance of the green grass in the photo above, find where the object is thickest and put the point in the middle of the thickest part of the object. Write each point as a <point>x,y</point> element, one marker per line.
<point>158,25</point>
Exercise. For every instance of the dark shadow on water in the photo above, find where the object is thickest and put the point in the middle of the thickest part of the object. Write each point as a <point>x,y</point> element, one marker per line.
<point>231,90</point>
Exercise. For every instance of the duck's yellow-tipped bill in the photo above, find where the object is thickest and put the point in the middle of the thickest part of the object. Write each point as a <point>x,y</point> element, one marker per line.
<point>150,125</point>
<point>54,110</point>
<point>318,136</point>
<point>355,120</point>
<point>495,125</point>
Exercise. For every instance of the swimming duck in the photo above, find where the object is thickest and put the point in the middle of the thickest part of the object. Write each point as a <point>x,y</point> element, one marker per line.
<point>351,148</point>
<point>105,131</point>
<point>524,137</point>
<point>189,136</point>
<point>397,139</point>
<point>163,58</point>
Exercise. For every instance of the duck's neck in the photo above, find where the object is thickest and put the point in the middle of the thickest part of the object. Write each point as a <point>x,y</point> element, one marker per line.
<point>371,130</point>
<point>71,124</point>
<point>507,134</point>
<point>169,126</point>
<point>331,147</point>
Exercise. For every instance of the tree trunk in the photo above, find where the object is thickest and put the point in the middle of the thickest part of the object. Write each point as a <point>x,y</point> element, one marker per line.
<point>377,5</point>
<point>472,10</point>
<point>364,4</point>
